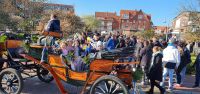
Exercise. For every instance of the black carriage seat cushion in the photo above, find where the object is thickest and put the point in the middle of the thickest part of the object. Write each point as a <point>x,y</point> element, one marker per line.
<point>13,54</point>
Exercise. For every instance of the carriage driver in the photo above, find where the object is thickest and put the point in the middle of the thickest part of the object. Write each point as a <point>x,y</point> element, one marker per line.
<point>52,26</point>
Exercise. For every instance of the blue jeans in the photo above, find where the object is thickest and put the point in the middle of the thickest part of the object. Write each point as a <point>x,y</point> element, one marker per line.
<point>169,72</point>
<point>44,55</point>
<point>181,76</point>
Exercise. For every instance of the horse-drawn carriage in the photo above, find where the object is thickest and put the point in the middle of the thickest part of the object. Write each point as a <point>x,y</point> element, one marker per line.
<point>103,75</point>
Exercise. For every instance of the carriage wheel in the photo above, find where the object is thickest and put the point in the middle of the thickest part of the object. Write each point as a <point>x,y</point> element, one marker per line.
<point>108,85</point>
<point>44,75</point>
<point>11,81</point>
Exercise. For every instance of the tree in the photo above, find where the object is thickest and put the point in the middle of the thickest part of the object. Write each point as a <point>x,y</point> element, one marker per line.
<point>194,17</point>
<point>70,23</point>
<point>27,12</point>
<point>6,8</point>
<point>91,23</point>
<point>145,34</point>
<point>31,11</point>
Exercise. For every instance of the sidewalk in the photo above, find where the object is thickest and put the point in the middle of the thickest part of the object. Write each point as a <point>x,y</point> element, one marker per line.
<point>185,89</point>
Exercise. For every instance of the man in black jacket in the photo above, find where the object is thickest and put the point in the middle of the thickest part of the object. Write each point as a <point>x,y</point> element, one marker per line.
<point>197,75</point>
<point>145,59</point>
<point>53,24</point>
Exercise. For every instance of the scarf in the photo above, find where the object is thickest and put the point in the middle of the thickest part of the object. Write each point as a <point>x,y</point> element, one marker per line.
<point>153,56</point>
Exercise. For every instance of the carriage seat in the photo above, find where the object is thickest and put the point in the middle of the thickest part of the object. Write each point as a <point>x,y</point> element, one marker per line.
<point>14,50</point>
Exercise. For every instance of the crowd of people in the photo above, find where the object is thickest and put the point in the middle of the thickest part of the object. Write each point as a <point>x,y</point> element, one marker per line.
<point>158,59</point>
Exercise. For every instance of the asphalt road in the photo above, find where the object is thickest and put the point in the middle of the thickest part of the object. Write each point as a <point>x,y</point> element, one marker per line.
<point>35,86</point>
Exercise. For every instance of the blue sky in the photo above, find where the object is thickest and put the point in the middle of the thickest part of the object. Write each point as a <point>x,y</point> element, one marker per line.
<point>160,10</point>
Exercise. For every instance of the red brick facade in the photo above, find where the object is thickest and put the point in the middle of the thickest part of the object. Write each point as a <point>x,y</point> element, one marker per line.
<point>129,20</point>
<point>160,29</point>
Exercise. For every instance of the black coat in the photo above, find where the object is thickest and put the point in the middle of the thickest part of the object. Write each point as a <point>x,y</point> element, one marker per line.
<point>197,62</point>
<point>145,57</point>
<point>156,70</point>
<point>185,59</point>
<point>138,47</point>
<point>53,26</point>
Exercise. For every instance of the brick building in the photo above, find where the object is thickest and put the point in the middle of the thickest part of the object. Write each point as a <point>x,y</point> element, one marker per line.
<point>160,29</point>
<point>109,21</point>
<point>127,21</point>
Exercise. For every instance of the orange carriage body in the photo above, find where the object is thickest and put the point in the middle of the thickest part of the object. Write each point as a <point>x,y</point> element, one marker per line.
<point>54,34</point>
<point>13,43</point>
<point>100,68</point>
<point>97,69</point>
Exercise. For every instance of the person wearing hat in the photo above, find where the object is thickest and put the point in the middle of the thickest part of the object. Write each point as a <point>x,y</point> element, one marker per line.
<point>171,61</point>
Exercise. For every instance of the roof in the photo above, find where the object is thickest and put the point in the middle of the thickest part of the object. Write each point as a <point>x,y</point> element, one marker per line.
<point>105,14</point>
<point>135,12</point>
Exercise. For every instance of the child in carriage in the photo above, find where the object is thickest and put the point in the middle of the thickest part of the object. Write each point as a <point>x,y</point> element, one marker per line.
<point>72,55</point>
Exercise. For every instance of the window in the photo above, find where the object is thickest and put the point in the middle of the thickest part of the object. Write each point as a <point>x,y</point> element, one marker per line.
<point>102,23</point>
<point>133,21</point>
<point>140,17</point>
<point>126,16</point>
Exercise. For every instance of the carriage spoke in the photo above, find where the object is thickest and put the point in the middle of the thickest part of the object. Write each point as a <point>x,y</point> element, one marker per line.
<point>98,87</point>
<point>107,86</point>
<point>12,90</point>
<point>15,81</point>
<point>98,93</point>
<point>5,87</point>
<point>12,76</point>
<point>113,87</point>
<point>8,90</point>
<point>15,87</point>
<point>6,77</point>
<point>3,82</point>
<point>15,84</point>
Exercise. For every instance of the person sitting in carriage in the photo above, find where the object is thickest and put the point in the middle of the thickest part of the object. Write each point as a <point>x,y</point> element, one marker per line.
<point>94,43</point>
<point>53,26</point>
<point>73,56</point>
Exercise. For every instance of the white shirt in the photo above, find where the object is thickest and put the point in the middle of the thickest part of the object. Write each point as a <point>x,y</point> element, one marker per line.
<point>171,54</point>
<point>96,44</point>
